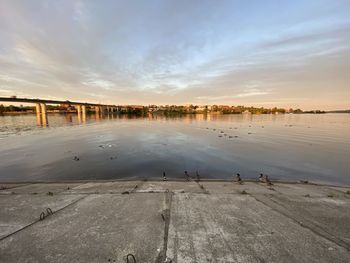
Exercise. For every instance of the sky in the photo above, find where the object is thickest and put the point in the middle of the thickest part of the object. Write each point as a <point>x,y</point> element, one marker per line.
<point>261,53</point>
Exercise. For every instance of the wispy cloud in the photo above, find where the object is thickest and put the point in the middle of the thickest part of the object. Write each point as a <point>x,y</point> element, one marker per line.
<point>252,92</point>
<point>177,51</point>
<point>244,94</point>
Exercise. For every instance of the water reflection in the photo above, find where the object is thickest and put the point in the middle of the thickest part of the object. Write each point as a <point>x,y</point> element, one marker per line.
<point>38,119</point>
<point>15,123</point>
<point>45,120</point>
<point>69,118</point>
<point>111,146</point>
<point>42,119</point>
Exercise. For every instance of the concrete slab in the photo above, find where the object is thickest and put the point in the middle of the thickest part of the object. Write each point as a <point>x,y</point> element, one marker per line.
<point>256,188</point>
<point>104,187</point>
<point>18,211</point>
<point>173,186</point>
<point>323,214</point>
<point>237,228</point>
<point>307,190</point>
<point>221,187</point>
<point>96,223</point>
<point>344,190</point>
<point>99,228</point>
<point>235,188</point>
<point>41,188</point>
<point>7,186</point>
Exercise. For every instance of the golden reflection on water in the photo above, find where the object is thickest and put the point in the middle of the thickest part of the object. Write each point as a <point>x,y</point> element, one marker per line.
<point>284,146</point>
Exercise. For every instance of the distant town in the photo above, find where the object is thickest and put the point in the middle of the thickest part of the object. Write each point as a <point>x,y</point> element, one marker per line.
<point>168,109</point>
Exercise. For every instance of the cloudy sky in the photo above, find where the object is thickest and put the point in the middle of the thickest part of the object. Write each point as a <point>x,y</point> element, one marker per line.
<point>262,53</point>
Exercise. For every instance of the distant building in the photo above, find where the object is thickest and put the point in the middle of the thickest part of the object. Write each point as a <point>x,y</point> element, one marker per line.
<point>66,107</point>
<point>224,107</point>
<point>134,107</point>
<point>201,108</point>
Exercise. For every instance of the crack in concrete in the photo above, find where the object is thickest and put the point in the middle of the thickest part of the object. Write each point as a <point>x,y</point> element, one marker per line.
<point>166,216</point>
<point>275,206</point>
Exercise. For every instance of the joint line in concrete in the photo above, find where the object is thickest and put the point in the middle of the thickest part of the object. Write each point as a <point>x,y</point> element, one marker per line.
<point>38,220</point>
<point>306,224</point>
<point>168,200</point>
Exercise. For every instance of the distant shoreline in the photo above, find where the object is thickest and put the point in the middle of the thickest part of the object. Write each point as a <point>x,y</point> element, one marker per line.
<point>182,113</point>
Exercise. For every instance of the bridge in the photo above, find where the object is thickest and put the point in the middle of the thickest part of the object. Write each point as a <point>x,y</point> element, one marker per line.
<point>41,111</point>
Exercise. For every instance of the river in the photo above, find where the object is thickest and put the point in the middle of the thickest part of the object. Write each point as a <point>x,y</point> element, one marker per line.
<point>314,147</point>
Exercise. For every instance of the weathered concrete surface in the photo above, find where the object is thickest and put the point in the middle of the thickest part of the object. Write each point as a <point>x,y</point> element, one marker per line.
<point>105,187</point>
<point>344,190</point>
<point>324,214</point>
<point>7,186</point>
<point>192,221</point>
<point>96,229</point>
<point>40,188</point>
<point>174,186</point>
<point>309,190</point>
<point>235,188</point>
<point>18,211</point>
<point>237,228</point>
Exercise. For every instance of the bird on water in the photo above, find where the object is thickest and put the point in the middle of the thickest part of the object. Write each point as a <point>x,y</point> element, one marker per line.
<point>265,179</point>
<point>238,178</point>
<point>197,175</point>
<point>187,176</point>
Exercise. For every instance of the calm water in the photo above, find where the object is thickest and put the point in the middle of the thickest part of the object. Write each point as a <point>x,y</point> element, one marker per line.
<point>290,147</point>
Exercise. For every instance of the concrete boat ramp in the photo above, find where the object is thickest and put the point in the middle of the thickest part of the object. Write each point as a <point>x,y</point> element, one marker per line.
<point>174,221</point>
